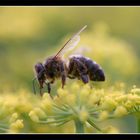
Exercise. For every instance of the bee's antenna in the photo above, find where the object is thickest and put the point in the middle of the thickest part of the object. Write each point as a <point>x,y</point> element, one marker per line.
<point>33,82</point>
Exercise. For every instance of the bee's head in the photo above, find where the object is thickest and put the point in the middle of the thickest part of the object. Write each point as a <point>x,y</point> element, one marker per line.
<point>39,67</point>
<point>40,72</point>
<point>99,75</point>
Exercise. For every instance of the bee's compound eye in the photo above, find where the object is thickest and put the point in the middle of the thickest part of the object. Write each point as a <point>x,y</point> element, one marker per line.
<point>38,67</point>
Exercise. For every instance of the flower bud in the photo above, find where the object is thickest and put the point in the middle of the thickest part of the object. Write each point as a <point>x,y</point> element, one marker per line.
<point>103,115</point>
<point>120,111</point>
<point>86,87</point>
<point>93,99</point>
<point>121,98</point>
<point>128,104</point>
<point>46,95</point>
<point>75,87</point>
<point>99,92</point>
<point>46,105</point>
<point>56,99</point>
<point>62,92</point>
<point>71,99</point>
<point>83,115</point>
<point>34,117</point>
<point>109,104</point>
<point>84,95</point>
<point>40,113</point>
<point>133,97</point>
<point>13,117</point>
<point>17,125</point>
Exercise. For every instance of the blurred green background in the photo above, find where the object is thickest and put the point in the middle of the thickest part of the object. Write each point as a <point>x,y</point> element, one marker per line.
<point>31,34</point>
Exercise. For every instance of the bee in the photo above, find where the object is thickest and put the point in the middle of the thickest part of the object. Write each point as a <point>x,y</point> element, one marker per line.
<point>78,66</point>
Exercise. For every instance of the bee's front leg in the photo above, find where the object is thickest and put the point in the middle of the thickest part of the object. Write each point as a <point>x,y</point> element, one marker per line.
<point>41,82</point>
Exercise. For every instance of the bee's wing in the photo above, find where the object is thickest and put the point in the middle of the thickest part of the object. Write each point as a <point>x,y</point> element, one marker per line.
<point>71,43</point>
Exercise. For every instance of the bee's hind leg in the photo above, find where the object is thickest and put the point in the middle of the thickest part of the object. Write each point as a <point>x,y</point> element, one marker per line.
<point>49,87</point>
<point>63,74</point>
<point>82,70</point>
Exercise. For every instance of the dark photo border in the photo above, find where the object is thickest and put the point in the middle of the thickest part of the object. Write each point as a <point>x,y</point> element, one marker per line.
<point>68,3</point>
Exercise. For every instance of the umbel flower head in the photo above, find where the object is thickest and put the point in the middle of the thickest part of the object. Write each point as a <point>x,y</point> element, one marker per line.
<point>84,105</point>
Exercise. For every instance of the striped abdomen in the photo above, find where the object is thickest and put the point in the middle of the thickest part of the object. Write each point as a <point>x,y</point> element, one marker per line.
<point>92,69</point>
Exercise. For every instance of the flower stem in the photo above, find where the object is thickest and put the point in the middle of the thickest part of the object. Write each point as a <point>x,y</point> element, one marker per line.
<point>79,126</point>
<point>138,125</point>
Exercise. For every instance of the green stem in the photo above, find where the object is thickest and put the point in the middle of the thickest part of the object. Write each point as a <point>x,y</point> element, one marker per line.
<point>138,124</point>
<point>79,126</point>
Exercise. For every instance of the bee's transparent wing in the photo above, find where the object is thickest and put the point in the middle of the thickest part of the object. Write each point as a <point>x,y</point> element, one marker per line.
<point>71,43</point>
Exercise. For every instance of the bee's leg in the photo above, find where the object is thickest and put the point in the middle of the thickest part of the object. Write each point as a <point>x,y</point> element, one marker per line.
<point>41,86</point>
<point>49,89</point>
<point>82,70</point>
<point>41,91</point>
<point>41,81</point>
<point>63,74</point>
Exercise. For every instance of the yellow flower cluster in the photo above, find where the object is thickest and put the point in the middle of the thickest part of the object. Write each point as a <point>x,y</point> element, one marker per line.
<point>16,126</point>
<point>14,110</point>
<point>85,104</point>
